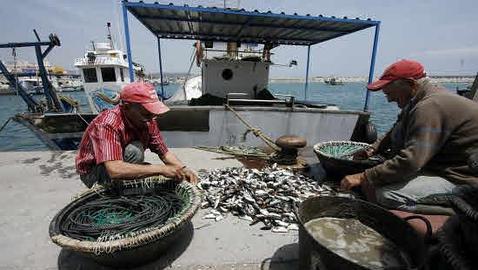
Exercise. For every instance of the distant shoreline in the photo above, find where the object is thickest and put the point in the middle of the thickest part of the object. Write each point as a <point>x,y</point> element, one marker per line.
<point>342,79</point>
<point>435,79</point>
<point>345,79</point>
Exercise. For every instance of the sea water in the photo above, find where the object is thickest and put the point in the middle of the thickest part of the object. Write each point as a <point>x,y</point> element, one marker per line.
<point>349,96</point>
<point>356,242</point>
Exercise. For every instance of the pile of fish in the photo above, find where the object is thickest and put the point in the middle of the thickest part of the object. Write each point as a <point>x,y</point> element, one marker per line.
<point>269,196</point>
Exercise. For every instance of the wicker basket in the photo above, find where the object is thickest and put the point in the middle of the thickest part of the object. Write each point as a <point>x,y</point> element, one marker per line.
<point>336,158</point>
<point>147,244</point>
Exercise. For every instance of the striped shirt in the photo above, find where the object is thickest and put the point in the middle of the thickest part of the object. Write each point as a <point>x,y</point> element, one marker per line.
<point>107,136</point>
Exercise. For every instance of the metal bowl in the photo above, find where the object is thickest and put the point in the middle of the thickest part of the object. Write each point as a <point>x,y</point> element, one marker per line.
<point>314,255</point>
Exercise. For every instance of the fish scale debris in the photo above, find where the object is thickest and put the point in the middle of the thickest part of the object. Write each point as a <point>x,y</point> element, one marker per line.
<point>268,196</point>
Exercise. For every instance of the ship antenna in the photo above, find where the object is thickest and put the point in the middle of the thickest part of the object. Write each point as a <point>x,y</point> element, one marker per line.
<point>108,25</point>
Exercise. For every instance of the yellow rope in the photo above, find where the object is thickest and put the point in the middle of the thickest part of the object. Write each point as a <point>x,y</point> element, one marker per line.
<point>256,131</point>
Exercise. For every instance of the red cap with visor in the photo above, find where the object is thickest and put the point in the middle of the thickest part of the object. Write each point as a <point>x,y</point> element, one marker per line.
<point>144,94</point>
<point>403,69</point>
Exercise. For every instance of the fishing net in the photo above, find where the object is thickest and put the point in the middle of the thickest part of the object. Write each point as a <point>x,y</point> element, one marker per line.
<point>125,216</point>
<point>458,238</point>
<point>108,216</point>
<point>238,151</point>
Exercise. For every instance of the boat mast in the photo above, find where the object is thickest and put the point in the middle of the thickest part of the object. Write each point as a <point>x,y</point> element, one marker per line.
<point>108,26</point>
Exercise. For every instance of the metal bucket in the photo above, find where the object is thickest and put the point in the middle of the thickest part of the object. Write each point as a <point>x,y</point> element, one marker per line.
<point>314,255</point>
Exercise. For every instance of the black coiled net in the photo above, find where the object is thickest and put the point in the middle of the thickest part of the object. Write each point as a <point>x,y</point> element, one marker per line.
<point>458,238</point>
<point>108,215</point>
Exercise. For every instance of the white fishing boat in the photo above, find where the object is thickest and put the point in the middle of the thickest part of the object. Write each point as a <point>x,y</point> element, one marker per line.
<point>33,85</point>
<point>4,87</point>
<point>237,77</point>
<point>333,81</point>
<point>104,72</point>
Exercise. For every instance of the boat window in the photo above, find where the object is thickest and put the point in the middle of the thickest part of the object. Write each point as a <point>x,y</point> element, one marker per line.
<point>227,74</point>
<point>108,74</point>
<point>90,75</point>
<point>122,74</point>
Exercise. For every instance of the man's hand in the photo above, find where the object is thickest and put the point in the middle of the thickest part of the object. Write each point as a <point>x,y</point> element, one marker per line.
<point>363,154</point>
<point>170,171</point>
<point>353,180</point>
<point>181,171</point>
<point>188,175</point>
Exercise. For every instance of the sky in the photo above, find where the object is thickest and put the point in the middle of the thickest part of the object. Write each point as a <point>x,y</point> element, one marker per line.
<point>441,34</point>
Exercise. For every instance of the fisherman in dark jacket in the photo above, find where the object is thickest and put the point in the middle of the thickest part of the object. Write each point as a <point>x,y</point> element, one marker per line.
<point>429,146</point>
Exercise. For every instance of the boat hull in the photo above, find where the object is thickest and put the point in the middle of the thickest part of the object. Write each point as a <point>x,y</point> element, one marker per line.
<point>186,126</point>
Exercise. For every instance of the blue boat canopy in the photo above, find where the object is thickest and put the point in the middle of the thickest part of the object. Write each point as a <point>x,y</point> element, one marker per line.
<point>217,24</point>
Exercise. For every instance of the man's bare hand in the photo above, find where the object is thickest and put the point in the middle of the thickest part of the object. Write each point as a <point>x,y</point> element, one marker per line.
<point>353,180</point>
<point>188,175</point>
<point>170,171</point>
<point>185,174</point>
<point>363,154</point>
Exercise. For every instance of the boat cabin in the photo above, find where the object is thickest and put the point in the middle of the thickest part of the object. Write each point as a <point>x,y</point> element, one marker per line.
<point>103,69</point>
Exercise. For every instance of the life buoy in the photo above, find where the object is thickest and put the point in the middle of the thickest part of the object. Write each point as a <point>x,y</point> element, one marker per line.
<point>199,53</point>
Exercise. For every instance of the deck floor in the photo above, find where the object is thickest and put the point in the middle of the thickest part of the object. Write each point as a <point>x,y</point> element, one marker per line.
<point>36,185</point>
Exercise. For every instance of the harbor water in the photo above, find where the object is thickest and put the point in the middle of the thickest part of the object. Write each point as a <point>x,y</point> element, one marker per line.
<point>349,96</point>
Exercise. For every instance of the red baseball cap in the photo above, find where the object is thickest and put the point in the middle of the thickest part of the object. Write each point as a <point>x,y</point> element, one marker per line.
<point>403,69</point>
<point>144,94</point>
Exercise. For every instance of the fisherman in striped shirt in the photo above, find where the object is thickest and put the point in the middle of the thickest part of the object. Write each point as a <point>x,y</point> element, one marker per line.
<point>113,145</point>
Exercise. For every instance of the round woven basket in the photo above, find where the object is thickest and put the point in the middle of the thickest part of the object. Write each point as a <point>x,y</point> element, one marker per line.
<point>145,245</point>
<point>336,158</point>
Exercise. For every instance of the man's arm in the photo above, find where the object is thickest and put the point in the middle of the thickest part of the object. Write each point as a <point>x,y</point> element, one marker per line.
<point>379,146</point>
<point>118,169</point>
<point>169,158</point>
<point>157,145</point>
<point>426,134</point>
<point>382,144</point>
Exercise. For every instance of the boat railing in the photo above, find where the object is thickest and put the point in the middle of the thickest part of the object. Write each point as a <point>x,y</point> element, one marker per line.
<point>288,100</point>
<point>237,55</point>
<point>100,61</point>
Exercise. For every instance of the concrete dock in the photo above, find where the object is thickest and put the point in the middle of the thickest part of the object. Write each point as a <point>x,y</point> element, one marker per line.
<point>36,185</point>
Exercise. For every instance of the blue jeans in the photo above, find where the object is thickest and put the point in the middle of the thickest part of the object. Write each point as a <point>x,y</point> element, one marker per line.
<point>422,194</point>
<point>132,153</point>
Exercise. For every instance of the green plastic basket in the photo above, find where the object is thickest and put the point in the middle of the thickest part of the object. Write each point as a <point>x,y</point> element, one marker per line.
<point>337,157</point>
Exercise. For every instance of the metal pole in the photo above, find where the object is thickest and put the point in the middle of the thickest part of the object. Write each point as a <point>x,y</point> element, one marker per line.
<point>127,40</point>
<point>372,65</point>
<point>307,74</point>
<point>50,94</point>
<point>24,44</point>
<point>160,66</point>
